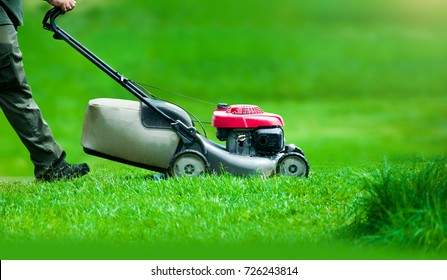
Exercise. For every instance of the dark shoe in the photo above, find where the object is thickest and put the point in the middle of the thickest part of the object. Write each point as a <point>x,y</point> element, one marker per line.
<point>65,171</point>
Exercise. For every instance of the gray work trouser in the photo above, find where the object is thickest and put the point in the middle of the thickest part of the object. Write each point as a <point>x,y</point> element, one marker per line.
<point>19,107</point>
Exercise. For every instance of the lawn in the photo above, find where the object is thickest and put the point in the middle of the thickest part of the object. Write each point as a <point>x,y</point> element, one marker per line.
<point>395,212</point>
<point>361,88</point>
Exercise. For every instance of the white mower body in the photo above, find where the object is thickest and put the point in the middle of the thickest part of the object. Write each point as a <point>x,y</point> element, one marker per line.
<point>113,129</point>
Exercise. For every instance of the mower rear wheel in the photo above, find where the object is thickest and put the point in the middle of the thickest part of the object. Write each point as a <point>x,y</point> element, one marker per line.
<point>188,163</point>
<point>293,164</point>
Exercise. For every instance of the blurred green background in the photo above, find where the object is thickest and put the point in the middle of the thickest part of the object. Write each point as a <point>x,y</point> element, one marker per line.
<point>355,81</point>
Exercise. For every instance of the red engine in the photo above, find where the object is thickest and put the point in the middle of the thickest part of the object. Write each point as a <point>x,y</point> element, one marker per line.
<point>248,130</point>
<point>244,116</point>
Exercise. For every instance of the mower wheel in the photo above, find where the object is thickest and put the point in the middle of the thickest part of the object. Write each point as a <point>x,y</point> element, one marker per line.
<point>188,163</point>
<point>293,164</point>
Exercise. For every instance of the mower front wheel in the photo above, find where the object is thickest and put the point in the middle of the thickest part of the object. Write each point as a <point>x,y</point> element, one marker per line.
<point>293,164</point>
<point>188,163</point>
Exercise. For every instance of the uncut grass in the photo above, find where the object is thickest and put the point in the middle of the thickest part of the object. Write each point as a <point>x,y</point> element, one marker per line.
<point>406,207</point>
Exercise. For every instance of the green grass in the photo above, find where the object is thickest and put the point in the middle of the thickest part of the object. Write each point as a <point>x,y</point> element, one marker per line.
<point>330,215</point>
<point>354,82</point>
<point>406,207</point>
<point>127,206</point>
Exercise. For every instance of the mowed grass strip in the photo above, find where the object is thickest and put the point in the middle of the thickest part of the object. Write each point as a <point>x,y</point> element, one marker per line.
<point>126,206</point>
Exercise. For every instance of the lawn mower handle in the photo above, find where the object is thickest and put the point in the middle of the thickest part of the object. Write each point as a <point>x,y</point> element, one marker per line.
<point>49,23</point>
<point>187,134</point>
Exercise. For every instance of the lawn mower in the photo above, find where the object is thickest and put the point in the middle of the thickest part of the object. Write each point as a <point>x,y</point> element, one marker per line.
<point>160,136</point>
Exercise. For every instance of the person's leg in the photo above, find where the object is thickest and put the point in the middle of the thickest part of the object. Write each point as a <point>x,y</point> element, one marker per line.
<point>21,110</point>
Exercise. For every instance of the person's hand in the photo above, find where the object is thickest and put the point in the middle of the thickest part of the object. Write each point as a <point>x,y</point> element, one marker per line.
<point>64,5</point>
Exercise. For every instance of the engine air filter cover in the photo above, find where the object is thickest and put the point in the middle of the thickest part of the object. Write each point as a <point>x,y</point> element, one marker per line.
<point>244,116</point>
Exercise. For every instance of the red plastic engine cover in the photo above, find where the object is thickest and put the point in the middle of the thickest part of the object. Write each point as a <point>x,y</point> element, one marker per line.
<point>244,116</point>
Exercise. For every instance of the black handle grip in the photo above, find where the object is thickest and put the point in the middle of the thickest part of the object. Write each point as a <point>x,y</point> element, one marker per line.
<point>50,17</point>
